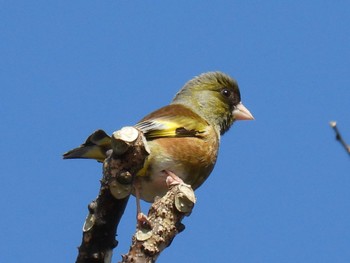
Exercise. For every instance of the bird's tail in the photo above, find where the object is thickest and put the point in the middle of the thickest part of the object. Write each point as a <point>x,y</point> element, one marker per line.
<point>95,147</point>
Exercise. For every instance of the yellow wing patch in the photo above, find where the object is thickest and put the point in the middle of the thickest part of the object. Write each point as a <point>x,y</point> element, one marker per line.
<point>172,127</point>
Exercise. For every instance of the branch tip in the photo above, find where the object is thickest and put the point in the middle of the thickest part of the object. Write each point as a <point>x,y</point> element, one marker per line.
<point>338,136</point>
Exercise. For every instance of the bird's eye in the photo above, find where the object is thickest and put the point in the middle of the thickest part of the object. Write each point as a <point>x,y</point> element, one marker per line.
<point>226,92</point>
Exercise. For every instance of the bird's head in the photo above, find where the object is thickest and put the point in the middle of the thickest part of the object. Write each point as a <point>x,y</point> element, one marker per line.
<point>216,98</point>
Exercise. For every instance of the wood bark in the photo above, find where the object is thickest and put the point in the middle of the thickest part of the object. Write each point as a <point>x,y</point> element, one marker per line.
<point>164,217</point>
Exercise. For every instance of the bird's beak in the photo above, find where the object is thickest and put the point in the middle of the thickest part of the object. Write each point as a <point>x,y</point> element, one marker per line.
<point>240,112</point>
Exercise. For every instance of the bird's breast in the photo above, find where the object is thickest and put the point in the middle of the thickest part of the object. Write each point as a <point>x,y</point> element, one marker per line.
<point>190,158</point>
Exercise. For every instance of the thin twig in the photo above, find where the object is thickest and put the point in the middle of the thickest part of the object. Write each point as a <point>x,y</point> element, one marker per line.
<point>338,137</point>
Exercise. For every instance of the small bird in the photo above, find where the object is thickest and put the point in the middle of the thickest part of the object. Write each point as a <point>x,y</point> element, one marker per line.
<point>183,137</point>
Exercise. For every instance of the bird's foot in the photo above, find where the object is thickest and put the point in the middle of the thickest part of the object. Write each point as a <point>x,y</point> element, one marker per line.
<point>172,179</point>
<point>141,218</point>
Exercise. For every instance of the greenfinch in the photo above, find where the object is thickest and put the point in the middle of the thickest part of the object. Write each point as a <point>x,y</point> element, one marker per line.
<point>183,137</point>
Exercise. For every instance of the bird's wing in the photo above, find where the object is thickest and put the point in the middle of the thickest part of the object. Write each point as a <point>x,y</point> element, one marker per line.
<point>172,121</point>
<point>169,121</point>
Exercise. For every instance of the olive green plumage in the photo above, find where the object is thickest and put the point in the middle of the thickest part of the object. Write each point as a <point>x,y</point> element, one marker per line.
<point>183,137</point>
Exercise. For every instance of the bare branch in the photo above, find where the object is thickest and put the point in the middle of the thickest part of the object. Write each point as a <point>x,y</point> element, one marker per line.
<point>105,212</point>
<point>129,150</point>
<point>338,137</point>
<point>164,223</point>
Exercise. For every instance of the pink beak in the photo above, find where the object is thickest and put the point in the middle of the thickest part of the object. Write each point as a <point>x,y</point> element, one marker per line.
<point>241,113</point>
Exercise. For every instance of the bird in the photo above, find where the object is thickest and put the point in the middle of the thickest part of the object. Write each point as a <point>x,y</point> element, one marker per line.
<point>183,137</point>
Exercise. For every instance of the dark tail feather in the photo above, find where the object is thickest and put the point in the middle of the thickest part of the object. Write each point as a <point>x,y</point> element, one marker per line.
<point>95,147</point>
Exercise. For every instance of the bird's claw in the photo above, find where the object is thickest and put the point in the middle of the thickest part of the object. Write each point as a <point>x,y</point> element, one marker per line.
<point>172,179</point>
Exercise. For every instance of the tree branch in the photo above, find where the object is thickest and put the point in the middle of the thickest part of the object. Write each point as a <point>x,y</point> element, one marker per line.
<point>105,212</point>
<point>338,137</point>
<point>129,150</point>
<point>164,223</point>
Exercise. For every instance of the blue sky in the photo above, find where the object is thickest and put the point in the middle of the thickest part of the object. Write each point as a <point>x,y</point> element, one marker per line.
<point>281,188</point>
